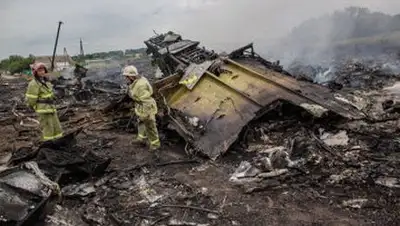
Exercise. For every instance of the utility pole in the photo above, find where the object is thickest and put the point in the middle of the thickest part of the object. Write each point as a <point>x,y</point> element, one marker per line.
<point>55,45</point>
<point>82,53</point>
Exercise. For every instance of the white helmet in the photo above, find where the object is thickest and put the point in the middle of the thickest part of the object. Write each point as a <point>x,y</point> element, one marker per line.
<point>130,71</point>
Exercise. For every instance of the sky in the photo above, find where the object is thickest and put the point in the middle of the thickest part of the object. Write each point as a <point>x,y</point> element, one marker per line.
<point>29,27</point>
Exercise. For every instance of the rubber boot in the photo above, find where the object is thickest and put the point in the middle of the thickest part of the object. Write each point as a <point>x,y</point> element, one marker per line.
<point>139,141</point>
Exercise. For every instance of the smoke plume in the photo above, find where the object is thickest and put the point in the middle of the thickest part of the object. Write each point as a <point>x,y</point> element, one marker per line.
<point>352,32</point>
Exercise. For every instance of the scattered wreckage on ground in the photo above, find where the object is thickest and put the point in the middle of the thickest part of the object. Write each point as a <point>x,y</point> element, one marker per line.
<point>210,98</point>
<point>31,174</point>
<point>29,183</point>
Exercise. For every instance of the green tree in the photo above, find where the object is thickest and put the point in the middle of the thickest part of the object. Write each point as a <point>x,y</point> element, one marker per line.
<point>16,63</point>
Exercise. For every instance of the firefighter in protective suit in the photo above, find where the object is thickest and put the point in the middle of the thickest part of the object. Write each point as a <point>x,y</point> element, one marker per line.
<point>141,92</point>
<point>41,98</point>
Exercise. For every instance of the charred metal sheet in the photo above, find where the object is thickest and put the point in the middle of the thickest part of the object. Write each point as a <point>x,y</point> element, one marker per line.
<point>23,196</point>
<point>211,112</point>
<point>247,52</point>
<point>266,86</point>
<point>172,55</point>
<point>193,74</point>
<point>177,47</point>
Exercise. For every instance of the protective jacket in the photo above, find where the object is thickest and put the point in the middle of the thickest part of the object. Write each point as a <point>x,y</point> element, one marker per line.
<point>40,96</point>
<point>146,109</point>
<point>141,92</point>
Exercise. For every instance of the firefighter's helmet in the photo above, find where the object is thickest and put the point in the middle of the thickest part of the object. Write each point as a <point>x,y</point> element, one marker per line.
<point>130,71</point>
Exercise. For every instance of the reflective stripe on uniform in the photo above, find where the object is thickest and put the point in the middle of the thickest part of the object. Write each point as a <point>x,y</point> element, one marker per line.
<point>141,136</point>
<point>31,96</point>
<point>45,111</point>
<point>155,142</point>
<point>46,95</point>
<point>53,137</point>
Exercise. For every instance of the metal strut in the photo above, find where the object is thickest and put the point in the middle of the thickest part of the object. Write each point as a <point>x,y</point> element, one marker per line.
<point>55,45</point>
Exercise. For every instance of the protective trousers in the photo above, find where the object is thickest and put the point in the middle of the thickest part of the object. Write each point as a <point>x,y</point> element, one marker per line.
<point>50,126</point>
<point>147,129</point>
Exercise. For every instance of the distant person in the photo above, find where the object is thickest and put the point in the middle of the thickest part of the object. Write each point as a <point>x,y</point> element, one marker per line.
<point>141,92</point>
<point>41,98</point>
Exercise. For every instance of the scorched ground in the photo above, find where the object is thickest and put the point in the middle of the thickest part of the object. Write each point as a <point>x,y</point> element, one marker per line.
<point>325,172</point>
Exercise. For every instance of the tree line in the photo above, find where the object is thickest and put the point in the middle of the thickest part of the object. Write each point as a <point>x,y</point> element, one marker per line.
<point>16,64</point>
<point>19,64</point>
<point>116,54</point>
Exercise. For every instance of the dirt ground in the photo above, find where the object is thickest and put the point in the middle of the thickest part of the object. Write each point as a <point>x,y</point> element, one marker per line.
<point>138,189</point>
<point>206,185</point>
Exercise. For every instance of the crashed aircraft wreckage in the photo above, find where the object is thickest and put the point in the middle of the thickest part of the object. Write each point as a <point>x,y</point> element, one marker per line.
<point>210,97</point>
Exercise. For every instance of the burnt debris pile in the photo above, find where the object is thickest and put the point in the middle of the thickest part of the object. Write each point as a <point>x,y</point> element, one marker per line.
<point>33,177</point>
<point>327,160</point>
<point>203,92</point>
<point>355,73</point>
<point>92,84</point>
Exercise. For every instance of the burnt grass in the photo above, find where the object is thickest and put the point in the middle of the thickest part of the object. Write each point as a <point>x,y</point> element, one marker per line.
<point>179,190</point>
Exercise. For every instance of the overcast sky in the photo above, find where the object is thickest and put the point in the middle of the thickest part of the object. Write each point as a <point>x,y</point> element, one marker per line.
<point>30,26</point>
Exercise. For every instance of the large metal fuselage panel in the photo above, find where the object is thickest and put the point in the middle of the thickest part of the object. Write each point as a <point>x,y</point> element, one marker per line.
<point>226,102</point>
